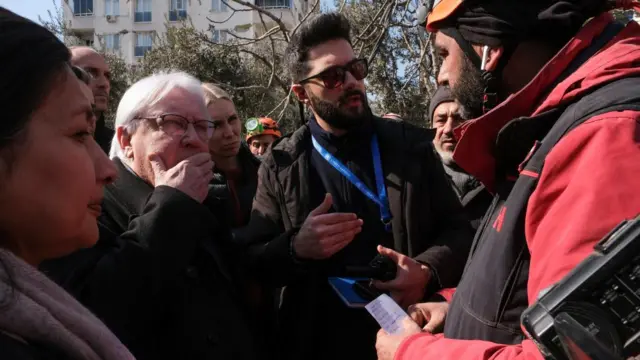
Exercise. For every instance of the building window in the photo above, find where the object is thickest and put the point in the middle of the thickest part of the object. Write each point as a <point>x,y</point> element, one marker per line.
<point>144,42</point>
<point>143,11</point>
<point>178,10</point>
<point>112,42</point>
<point>274,4</point>
<point>83,7</point>
<point>219,6</point>
<point>112,7</point>
<point>219,36</point>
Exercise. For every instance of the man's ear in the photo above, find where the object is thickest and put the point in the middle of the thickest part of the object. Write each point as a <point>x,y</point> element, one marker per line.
<point>124,139</point>
<point>493,56</point>
<point>300,92</point>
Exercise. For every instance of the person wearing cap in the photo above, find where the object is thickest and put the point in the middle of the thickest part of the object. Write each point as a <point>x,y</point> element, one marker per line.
<point>446,114</point>
<point>341,190</point>
<point>261,133</point>
<point>555,89</point>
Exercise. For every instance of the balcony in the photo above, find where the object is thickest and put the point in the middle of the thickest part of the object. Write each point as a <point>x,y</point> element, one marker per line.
<point>177,15</point>
<point>274,4</point>
<point>142,16</point>
<point>139,51</point>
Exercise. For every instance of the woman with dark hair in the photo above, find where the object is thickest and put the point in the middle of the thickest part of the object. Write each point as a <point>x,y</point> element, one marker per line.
<point>52,174</point>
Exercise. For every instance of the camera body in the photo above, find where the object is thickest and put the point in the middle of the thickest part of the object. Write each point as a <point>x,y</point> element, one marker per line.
<point>600,298</point>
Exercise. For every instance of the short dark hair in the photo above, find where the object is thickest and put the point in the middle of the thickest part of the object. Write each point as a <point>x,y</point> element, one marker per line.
<point>316,30</point>
<point>32,60</point>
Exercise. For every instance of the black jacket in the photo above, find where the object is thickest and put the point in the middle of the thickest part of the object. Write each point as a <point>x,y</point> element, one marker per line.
<point>103,134</point>
<point>244,187</point>
<point>159,275</point>
<point>428,224</point>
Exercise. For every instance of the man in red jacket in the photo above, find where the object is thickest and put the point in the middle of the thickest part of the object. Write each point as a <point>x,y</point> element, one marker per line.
<point>556,87</point>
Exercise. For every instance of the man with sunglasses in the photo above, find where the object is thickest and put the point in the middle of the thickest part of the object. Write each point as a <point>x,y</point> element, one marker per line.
<point>554,86</point>
<point>341,189</point>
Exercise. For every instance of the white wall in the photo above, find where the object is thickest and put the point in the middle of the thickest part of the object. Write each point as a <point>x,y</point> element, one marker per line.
<point>197,11</point>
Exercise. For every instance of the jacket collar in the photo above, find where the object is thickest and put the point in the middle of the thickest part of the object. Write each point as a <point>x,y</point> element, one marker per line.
<point>475,149</point>
<point>286,150</point>
<point>129,189</point>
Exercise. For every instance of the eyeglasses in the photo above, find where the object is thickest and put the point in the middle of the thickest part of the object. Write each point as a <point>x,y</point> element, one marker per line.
<point>177,125</point>
<point>335,76</point>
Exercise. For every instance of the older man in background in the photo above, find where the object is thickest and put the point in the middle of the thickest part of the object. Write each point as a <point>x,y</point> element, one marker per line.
<point>164,284</point>
<point>95,65</point>
<point>446,114</point>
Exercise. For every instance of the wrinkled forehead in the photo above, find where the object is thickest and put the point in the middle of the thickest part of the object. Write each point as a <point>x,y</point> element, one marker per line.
<point>182,102</point>
<point>328,54</point>
<point>447,108</point>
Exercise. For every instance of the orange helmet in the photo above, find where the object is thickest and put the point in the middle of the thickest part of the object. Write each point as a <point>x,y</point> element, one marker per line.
<point>261,126</point>
<point>433,12</point>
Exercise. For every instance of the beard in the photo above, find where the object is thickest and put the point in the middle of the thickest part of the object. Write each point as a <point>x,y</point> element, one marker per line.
<point>446,156</point>
<point>469,90</point>
<point>338,116</point>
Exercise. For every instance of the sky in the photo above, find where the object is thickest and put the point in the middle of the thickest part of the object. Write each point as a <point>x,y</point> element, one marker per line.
<point>30,8</point>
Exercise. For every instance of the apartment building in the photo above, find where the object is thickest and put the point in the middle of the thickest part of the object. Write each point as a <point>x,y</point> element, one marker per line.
<point>130,27</point>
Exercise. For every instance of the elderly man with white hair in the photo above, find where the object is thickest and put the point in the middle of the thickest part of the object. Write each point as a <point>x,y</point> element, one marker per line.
<point>169,290</point>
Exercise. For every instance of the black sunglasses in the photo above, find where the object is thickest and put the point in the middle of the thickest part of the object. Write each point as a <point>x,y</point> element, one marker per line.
<point>335,76</point>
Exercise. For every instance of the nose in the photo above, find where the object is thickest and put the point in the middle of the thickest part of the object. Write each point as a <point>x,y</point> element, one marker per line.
<point>192,139</point>
<point>350,82</point>
<point>262,149</point>
<point>105,170</point>
<point>227,131</point>
<point>448,126</point>
<point>102,82</point>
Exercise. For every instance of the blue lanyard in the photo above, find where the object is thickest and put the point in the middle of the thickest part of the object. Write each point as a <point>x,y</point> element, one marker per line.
<point>380,199</point>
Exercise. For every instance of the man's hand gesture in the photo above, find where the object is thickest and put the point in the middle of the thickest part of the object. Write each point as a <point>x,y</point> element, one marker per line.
<point>323,235</point>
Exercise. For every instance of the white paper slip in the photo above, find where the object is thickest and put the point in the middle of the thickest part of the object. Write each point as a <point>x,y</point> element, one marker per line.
<point>387,313</point>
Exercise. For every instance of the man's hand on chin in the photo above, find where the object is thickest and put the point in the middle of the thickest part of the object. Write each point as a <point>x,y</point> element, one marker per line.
<point>387,344</point>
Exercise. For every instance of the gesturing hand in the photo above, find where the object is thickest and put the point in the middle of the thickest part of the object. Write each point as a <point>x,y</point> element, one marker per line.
<point>191,176</point>
<point>430,316</point>
<point>411,279</point>
<point>323,235</point>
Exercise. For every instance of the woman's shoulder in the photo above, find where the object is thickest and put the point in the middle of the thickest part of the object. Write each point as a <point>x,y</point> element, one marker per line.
<point>14,348</point>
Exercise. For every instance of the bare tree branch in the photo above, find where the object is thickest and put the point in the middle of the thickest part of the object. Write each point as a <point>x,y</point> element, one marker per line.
<point>273,54</point>
<point>286,105</point>
<point>344,2</point>
<point>286,99</point>
<point>268,14</point>
<point>306,16</point>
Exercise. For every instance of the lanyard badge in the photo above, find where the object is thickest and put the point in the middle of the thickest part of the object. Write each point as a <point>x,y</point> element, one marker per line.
<point>381,198</point>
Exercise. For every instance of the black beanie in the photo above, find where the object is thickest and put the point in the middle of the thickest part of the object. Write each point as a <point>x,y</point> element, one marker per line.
<point>500,22</point>
<point>442,95</point>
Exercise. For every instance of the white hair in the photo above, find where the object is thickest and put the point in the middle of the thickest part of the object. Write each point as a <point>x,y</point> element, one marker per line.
<point>146,93</point>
